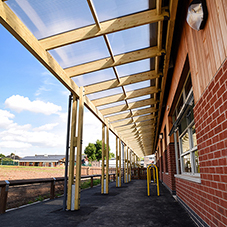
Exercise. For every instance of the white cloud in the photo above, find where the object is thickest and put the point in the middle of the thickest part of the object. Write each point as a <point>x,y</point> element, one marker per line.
<point>19,103</point>
<point>14,144</point>
<point>46,127</point>
<point>5,118</point>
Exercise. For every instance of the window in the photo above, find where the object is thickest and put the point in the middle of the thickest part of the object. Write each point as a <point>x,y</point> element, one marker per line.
<point>184,120</point>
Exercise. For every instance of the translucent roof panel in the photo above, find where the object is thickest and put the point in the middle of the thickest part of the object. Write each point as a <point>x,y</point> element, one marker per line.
<point>130,39</point>
<point>81,52</point>
<point>133,68</point>
<point>47,17</point>
<point>94,77</point>
<point>111,105</point>
<point>115,114</point>
<point>138,98</point>
<point>109,9</point>
<point>136,86</point>
<point>105,93</point>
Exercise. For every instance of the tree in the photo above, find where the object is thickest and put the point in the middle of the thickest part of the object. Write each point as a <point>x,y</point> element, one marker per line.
<point>94,151</point>
<point>90,151</point>
<point>111,155</point>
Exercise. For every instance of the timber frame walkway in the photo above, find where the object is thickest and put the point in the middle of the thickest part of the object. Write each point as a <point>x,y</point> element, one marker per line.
<point>125,206</point>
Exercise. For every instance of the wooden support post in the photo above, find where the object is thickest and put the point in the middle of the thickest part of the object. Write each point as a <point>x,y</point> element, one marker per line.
<point>52,189</point>
<point>117,157</point>
<point>79,149</point>
<point>91,182</point>
<point>107,159</point>
<point>72,152</point>
<point>103,159</point>
<point>3,198</point>
<point>119,163</point>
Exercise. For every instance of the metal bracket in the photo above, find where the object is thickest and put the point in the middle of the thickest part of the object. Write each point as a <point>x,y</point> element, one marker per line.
<point>54,180</point>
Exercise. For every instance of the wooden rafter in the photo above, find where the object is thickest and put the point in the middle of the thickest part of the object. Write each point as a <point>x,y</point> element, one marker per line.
<point>134,113</point>
<point>135,78</point>
<point>132,105</point>
<point>110,26</point>
<point>119,60</point>
<point>121,97</point>
<point>130,121</point>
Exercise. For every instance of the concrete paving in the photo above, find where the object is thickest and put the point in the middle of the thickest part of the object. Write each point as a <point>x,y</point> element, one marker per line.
<point>125,206</point>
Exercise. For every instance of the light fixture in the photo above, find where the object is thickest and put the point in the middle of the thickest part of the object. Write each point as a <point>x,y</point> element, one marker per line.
<point>197,14</point>
<point>161,136</point>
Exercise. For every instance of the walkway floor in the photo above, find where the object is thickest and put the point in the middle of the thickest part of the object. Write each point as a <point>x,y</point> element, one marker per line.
<point>125,206</point>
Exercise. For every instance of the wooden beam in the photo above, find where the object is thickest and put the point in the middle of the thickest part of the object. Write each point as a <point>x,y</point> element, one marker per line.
<point>72,153</point>
<point>109,26</point>
<point>131,121</point>
<point>15,26</point>
<point>169,37</point>
<point>79,149</point>
<point>129,95</point>
<point>132,105</point>
<point>119,60</point>
<point>134,113</point>
<point>135,78</point>
<point>132,126</point>
<point>103,158</point>
<point>94,14</point>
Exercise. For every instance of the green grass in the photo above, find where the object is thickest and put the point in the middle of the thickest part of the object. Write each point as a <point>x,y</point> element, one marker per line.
<point>87,183</point>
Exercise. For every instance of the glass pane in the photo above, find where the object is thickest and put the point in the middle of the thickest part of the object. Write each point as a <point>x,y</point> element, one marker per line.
<point>109,9</point>
<point>196,159</point>
<point>47,17</point>
<point>138,98</point>
<point>194,136</point>
<point>187,163</point>
<point>81,52</point>
<point>183,125</point>
<point>188,86</point>
<point>185,143</point>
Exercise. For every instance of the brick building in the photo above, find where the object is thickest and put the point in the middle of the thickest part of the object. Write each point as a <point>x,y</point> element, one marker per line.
<point>191,151</point>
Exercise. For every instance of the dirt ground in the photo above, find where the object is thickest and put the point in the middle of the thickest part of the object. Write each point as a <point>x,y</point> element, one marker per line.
<point>29,172</point>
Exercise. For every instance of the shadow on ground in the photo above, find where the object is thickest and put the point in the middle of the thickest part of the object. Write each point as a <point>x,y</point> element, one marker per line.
<point>126,206</point>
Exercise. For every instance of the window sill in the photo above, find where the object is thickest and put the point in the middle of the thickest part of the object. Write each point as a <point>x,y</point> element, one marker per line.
<point>192,178</point>
<point>167,173</point>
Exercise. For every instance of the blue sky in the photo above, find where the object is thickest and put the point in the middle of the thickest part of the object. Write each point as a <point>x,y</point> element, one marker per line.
<point>33,105</point>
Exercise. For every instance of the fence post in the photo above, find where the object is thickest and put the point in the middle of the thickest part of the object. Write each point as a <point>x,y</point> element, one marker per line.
<point>52,189</point>
<point>91,182</point>
<point>3,198</point>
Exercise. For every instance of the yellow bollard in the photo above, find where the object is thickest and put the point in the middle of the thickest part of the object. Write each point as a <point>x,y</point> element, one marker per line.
<point>154,178</point>
<point>157,181</point>
<point>148,183</point>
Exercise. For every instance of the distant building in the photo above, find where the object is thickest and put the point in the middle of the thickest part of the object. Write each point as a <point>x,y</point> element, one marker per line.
<point>48,160</point>
<point>43,160</point>
<point>150,159</point>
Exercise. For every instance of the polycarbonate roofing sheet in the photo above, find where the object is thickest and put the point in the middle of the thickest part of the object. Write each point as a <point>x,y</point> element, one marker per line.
<point>81,52</point>
<point>47,17</point>
<point>95,77</point>
<point>136,86</point>
<point>133,68</point>
<point>109,9</point>
<point>102,94</point>
<point>130,39</point>
<point>138,98</point>
<point>111,105</point>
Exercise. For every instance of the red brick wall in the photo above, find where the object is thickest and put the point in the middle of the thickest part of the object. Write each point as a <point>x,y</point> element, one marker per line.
<point>209,199</point>
<point>169,178</point>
